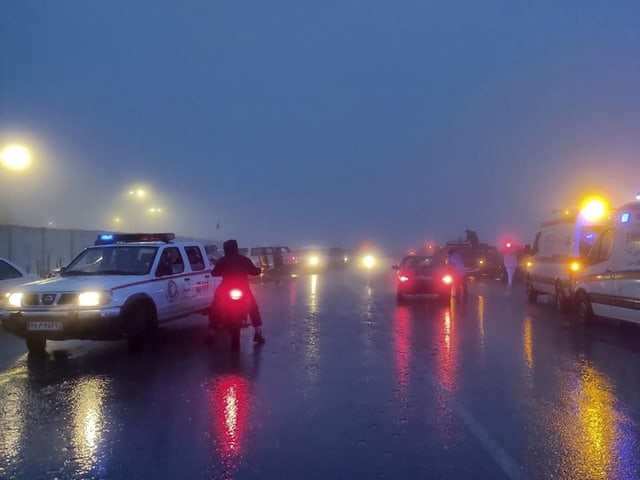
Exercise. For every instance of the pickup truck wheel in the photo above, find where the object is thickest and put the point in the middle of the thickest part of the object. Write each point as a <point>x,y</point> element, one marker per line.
<point>532,294</point>
<point>36,345</point>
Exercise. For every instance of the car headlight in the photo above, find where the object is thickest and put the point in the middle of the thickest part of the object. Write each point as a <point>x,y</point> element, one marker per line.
<point>369,261</point>
<point>314,261</point>
<point>14,299</point>
<point>93,299</point>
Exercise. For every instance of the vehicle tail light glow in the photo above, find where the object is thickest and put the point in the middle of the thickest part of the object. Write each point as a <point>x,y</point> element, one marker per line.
<point>574,266</point>
<point>235,294</point>
<point>447,279</point>
<point>404,278</point>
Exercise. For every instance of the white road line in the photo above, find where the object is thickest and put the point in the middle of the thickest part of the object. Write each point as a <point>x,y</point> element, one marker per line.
<point>499,455</point>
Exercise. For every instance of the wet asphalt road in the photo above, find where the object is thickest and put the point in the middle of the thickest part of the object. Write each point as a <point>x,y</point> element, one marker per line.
<point>348,385</point>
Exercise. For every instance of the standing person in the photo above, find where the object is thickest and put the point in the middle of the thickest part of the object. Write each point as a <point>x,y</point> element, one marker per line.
<point>278,264</point>
<point>456,264</point>
<point>472,238</point>
<point>510,264</point>
<point>235,270</point>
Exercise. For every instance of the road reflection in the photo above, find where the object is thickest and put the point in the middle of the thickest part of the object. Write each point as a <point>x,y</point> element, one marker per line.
<point>87,406</point>
<point>12,418</point>
<point>597,427</point>
<point>527,347</point>
<point>593,432</point>
<point>230,404</point>
<point>402,343</point>
<point>447,356</point>
<point>481,324</point>
<point>311,333</point>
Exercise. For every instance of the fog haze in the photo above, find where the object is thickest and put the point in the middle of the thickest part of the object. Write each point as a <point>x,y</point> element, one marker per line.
<point>318,122</point>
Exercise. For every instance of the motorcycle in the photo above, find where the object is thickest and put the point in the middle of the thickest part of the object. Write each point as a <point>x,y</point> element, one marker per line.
<point>233,313</point>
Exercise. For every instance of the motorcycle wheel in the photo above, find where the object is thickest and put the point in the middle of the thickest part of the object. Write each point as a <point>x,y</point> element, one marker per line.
<point>234,332</point>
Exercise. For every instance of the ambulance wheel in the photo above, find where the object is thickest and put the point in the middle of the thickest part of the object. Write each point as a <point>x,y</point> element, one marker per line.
<point>36,345</point>
<point>532,295</point>
<point>562,302</point>
<point>584,309</point>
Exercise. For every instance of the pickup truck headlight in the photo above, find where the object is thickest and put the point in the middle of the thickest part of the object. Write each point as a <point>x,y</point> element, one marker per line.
<point>93,298</point>
<point>14,299</point>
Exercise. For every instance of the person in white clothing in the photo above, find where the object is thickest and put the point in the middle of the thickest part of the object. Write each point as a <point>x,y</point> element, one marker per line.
<point>510,264</point>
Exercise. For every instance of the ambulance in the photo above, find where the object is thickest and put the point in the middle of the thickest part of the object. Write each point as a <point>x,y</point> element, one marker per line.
<point>609,283</point>
<point>559,248</point>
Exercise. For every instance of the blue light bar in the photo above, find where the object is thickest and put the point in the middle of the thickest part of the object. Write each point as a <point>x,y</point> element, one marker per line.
<point>625,217</point>
<point>113,238</point>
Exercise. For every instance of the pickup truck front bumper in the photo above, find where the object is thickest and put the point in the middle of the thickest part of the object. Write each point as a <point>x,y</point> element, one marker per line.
<point>95,324</point>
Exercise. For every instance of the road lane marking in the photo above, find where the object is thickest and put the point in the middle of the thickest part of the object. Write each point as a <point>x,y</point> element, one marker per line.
<point>507,464</point>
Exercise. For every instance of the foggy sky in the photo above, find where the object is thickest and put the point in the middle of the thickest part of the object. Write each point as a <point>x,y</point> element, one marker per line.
<point>325,123</point>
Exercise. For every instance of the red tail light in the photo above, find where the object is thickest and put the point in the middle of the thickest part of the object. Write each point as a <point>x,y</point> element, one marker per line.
<point>404,278</point>
<point>235,294</point>
<point>447,279</point>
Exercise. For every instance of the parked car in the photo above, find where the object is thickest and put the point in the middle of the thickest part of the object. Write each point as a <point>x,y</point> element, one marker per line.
<point>11,275</point>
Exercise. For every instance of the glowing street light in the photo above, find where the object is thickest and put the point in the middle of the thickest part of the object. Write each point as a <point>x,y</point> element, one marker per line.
<point>15,157</point>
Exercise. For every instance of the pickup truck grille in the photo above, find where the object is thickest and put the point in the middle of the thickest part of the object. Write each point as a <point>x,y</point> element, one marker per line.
<point>49,299</point>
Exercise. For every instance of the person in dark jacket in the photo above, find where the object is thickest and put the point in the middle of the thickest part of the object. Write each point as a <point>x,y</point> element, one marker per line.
<point>235,270</point>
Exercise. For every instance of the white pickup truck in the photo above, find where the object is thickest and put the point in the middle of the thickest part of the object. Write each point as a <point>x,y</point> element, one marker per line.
<point>122,287</point>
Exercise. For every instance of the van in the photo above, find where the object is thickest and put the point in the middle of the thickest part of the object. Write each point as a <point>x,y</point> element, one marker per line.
<point>559,246</point>
<point>609,284</point>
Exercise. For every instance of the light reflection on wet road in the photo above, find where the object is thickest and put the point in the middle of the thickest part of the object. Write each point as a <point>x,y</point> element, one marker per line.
<point>349,385</point>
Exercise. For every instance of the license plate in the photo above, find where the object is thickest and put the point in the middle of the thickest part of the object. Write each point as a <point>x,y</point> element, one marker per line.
<point>424,278</point>
<point>44,326</point>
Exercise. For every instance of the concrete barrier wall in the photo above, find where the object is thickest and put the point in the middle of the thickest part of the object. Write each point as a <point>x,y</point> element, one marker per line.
<point>40,250</point>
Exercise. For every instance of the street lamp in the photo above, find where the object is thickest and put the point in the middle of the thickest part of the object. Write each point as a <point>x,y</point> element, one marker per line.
<point>138,193</point>
<point>15,157</point>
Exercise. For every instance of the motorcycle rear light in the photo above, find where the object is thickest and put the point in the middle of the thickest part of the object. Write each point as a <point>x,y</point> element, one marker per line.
<point>447,279</point>
<point>235,294</point>
<point>404,278</point>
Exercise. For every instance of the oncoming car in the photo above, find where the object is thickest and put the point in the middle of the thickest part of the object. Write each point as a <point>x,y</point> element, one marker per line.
<point>421,274</point>
<point>122,287</point>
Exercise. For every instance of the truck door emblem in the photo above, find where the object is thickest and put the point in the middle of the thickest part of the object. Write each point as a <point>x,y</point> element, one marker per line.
<point>172,290</point>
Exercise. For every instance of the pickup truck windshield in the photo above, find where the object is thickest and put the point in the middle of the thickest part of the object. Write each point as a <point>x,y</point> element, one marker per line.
<point>113,260</point>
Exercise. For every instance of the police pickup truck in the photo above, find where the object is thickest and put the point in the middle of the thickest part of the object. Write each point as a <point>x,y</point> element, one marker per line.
<point>123,287</point>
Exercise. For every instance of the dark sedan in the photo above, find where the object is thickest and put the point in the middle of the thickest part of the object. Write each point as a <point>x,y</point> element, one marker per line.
<point>422,274</point>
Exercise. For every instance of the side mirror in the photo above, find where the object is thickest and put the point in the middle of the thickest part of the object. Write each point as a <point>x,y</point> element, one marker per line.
<point>395,267</point>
